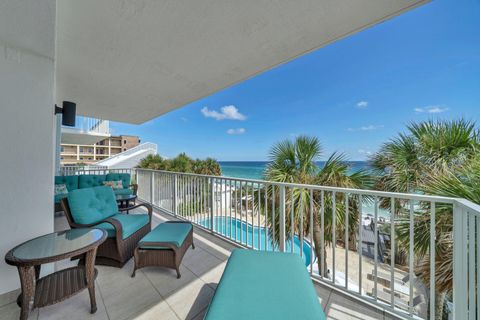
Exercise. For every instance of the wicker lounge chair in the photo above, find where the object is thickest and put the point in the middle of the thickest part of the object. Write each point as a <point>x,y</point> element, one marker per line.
<point>97,207</point>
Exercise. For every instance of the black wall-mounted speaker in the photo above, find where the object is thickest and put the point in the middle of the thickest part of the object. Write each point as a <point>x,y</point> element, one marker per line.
<point>68,113</point>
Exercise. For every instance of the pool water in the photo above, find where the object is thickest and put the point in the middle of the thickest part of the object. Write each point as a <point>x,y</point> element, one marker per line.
<point>244,233</point>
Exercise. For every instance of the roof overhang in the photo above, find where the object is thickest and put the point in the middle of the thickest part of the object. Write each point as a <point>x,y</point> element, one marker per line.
<point>132,61</point>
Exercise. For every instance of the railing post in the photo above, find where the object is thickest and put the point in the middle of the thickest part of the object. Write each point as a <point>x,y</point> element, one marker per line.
<point>460,280</point>
<point>212,201</point>
<point>151,187</point>
<point>175,188</point>
<point>282,219</point>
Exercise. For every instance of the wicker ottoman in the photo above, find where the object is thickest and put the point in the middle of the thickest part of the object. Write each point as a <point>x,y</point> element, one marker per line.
<point>164,246</point>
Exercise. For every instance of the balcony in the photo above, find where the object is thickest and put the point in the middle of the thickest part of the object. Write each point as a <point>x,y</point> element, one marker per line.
<point>59,50</point>
<point>87,131</point>
<point>156,293</point>
<point>240,206</point>
<point>231,212</point>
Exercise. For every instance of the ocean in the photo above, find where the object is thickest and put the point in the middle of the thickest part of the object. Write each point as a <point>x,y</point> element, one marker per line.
<point>255,169</point>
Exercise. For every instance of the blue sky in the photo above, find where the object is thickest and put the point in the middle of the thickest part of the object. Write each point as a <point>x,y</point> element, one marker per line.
<point>353,94</point>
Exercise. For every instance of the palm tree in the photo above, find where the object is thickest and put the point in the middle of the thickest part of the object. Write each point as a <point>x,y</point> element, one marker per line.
<point>295,162</point>
<point>208,166</point>
<point>434,157</point>
<point>151,161</point>
<point>182,163</point>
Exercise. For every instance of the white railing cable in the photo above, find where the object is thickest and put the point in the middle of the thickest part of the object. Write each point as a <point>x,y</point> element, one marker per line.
<point>346,240</point>
<point>334,234</point>
<point>375,250</point>
<point>432,259</point>
<point>411,258</point>
<point>392,252</point>
<point>282,219</point>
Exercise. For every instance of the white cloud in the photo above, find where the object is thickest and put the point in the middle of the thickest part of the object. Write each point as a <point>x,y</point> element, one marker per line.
<point>184,119</point>
<point>227,112</point>
<point>236,131</point>
<point>431,109</point>
<point>370,127</point>
<point>365,152</point>
<point>362,104</point>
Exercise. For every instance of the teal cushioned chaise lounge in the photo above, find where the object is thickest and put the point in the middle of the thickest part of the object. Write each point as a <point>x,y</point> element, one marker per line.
<point>75,182</point>
<point>97,207</point>
<point>265,286</point>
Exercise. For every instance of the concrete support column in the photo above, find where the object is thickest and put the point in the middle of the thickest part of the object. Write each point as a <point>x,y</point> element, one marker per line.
<point>58,142</point>
<point>27,126</point>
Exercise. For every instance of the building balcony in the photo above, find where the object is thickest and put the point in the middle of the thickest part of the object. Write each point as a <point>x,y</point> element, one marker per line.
<point>87,131</point>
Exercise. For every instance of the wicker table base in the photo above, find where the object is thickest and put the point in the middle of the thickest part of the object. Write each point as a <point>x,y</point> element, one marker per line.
<point>59,286</point>
<point>40,292</point>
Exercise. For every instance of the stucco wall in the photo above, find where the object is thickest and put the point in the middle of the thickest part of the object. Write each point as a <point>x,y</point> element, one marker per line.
<point>27,127</point>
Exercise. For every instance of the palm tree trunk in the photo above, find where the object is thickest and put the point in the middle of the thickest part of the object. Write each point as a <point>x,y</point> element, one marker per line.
<point>439,303</point>
<point>318,246</point>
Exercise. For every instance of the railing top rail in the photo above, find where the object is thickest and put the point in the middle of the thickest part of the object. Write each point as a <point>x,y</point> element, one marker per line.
<point>468,205</point>
<point>382,194</point>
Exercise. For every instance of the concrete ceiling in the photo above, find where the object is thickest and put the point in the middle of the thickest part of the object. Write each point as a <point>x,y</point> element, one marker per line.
<point>132,61</point>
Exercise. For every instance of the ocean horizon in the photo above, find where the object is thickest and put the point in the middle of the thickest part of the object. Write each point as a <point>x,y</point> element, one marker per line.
<point>256,169</point>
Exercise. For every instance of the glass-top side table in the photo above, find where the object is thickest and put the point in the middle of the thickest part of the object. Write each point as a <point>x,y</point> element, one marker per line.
<point>124,200</point>
<point>58,286</point>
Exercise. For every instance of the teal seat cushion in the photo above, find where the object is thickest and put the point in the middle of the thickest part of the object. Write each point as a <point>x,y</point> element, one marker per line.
<point>130,224</point>
<point>125,177</point>
<point>271,285</point>
<point>91,180</point>
<point>59,197</point>
<point>123,192</point>
<point>174,233</point>
<point>70,181</point>
<point>91,205</point>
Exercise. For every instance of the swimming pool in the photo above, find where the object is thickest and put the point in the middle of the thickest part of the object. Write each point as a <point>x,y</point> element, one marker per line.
<point>241,232</point>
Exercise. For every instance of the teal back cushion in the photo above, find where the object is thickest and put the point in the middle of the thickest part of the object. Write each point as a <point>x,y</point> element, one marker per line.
<point>70,181</point>
<point>125,177</point>
<point>91,180</point>
<point>91,205</point>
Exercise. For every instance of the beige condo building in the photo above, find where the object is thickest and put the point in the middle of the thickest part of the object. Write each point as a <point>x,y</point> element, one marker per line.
<point>89,154</point>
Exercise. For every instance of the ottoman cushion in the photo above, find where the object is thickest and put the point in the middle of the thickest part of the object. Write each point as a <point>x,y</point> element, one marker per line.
<point>174,233</point>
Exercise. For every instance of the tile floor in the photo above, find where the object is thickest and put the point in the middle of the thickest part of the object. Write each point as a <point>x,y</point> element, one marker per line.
<point>156,293</point>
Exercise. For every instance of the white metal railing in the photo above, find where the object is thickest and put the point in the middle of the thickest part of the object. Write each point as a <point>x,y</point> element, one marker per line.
<point>91,169</point>
<point>262,215</point>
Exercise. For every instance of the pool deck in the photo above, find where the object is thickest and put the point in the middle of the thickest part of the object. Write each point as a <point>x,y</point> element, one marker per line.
<point>156,293</point>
